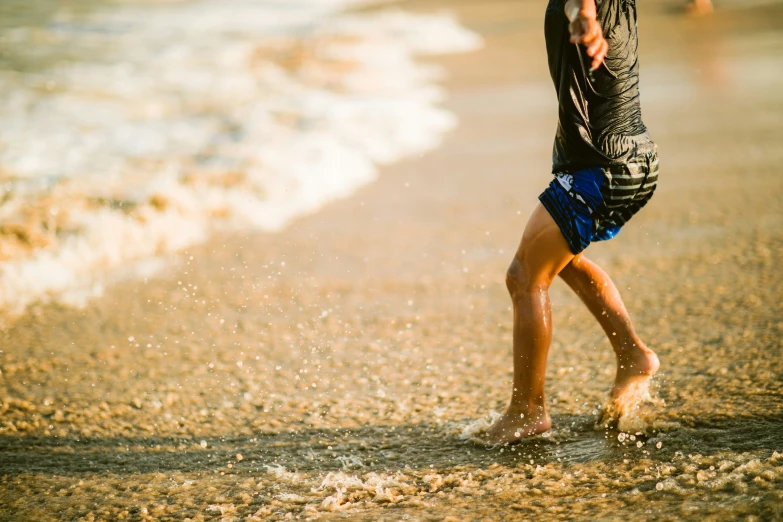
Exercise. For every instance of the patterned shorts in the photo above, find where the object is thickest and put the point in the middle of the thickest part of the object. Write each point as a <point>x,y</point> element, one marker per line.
<point>593,204</point>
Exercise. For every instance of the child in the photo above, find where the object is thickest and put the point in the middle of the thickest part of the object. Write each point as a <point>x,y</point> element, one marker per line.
<point>606,169</point>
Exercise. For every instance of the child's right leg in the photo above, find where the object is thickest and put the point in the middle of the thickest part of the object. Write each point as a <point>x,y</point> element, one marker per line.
<point>636,363</point>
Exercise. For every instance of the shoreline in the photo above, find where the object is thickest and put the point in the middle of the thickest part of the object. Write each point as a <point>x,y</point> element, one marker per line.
<point>266,125</point>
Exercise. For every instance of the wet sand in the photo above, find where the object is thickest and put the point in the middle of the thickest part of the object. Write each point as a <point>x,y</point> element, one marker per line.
<point>331,371</point>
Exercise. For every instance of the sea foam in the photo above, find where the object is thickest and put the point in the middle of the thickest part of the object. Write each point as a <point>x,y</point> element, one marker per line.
<point>149,127</point>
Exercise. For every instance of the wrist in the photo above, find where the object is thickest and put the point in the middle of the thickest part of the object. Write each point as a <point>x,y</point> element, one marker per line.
<point>579,9</point>
<point>580,13</point>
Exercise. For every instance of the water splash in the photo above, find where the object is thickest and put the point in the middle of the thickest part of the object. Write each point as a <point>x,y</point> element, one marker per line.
<point>636,411</point>
<point>473,430</point>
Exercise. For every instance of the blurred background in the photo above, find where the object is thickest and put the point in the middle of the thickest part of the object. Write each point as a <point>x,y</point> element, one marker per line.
<point>134,129</point>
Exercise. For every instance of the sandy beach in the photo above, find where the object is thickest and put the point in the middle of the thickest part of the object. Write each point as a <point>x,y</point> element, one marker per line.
<point>336,369</point>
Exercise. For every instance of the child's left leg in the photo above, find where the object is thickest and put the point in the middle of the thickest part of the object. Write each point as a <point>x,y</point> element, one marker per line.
<point>542,254</point>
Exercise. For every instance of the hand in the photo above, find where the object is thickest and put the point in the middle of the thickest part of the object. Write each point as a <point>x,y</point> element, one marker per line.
<point>586,30</point>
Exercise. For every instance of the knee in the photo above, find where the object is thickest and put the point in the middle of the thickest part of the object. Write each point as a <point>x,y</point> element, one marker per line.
<point>520,280</point>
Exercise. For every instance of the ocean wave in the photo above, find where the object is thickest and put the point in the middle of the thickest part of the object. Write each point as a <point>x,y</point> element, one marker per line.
<point>152,126</point>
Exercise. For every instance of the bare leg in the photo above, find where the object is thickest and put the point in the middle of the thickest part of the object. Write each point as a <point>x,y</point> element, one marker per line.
<point>542,253</point>
<point>635,362</point>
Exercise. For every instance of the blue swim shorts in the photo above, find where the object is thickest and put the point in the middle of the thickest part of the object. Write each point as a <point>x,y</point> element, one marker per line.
<point>593,204</point>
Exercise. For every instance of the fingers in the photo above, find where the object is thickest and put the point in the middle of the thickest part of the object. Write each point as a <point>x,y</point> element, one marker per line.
<point>587,31</point>
<point>584,30</point>
<point>594,45</point>
<point>593,32</point>
<point>598,52</point>
<point>577,30</point>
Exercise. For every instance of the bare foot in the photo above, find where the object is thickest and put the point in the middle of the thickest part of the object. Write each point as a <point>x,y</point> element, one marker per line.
<point>515,425</point>
<point>634,369</point>
<point>631,385</point>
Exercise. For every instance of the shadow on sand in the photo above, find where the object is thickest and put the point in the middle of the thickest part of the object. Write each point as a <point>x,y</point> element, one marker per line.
<point>371,448</point>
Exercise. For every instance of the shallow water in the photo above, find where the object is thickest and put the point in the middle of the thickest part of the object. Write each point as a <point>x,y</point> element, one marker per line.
<point>314,473</point>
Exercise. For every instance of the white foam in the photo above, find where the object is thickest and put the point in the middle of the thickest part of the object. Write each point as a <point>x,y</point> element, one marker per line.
<point>382,487</point>
<point>473,430</point>
<point>283,475</point>
<point>182,118</point>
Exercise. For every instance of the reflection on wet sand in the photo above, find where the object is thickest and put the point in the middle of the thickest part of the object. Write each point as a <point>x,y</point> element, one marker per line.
<point>374,448</point>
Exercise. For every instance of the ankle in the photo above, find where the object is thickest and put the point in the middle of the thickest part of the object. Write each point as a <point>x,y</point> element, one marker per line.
<point>629,348</point>
<point>637,359</point>
<point>527,408</point>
